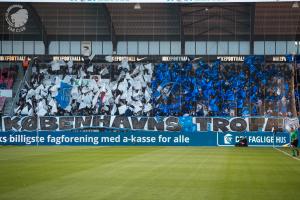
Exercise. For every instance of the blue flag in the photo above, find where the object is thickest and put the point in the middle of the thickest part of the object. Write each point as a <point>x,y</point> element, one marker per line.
<point>213,105</point>
<point>245,111</point>
<point>289,58</point>
<point>187,124</point>
<point>64,95</point>
<point>252,69</point>
<point>249,60</point>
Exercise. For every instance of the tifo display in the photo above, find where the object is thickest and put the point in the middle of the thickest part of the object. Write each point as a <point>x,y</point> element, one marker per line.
<point>164,89</point>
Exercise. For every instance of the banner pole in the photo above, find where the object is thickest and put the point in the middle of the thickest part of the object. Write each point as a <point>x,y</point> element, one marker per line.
<point>37,131</point>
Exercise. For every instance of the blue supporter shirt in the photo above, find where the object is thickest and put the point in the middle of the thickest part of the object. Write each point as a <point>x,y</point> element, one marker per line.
<point>229,95</point>
<point>213,105</point>
<point>254,110</point>
<point>242,93</point>
<point>240,103</point>
<point>286,86</point>
<point>253,98</point>
<point>245,111</point>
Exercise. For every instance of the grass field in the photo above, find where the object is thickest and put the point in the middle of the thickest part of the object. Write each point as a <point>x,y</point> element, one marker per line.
<point>38,173</point>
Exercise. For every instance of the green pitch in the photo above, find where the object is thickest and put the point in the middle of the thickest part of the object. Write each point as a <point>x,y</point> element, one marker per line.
<point>137,173</point>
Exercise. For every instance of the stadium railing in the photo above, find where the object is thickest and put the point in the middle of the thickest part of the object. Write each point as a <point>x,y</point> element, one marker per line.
<point>26,78</point>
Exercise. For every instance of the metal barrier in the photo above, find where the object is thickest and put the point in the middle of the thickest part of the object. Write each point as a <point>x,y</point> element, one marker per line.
<point>17,95</point>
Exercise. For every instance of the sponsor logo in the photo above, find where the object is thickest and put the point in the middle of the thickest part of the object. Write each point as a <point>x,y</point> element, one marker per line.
<point>231,58</point>
<point>140,59</point>
<point>279,59</point>
<point>12,58</point>
<point>198,58</point>
<point>121,58</point>
<point>175,58</point>
<point>228,139</point>
<point>16,17</point>
<point>68,58</point>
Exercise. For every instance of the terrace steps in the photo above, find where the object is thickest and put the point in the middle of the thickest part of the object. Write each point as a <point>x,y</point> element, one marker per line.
<point>9,101</point>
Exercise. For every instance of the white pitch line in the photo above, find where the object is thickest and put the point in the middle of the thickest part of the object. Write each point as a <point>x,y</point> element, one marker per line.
<point>287,154</point>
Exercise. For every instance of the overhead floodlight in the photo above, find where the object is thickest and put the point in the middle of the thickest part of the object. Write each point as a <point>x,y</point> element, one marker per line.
<point>295,5</point>
<point>137,6</point>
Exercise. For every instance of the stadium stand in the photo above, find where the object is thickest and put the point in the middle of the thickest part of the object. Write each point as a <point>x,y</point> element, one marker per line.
<point>225,90</point>
<point>166,89</point>
<point>116,86</point>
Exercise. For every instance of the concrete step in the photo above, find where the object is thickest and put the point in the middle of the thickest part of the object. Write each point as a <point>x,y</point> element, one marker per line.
<point>9,101</point>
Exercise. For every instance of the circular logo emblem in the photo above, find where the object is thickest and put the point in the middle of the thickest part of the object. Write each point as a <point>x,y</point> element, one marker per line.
<point>16,16</point>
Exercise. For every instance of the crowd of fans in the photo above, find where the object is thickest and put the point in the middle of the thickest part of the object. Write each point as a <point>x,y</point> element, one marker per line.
<point>83,89</point>
<point>166,89</point>
<point>222,90</point>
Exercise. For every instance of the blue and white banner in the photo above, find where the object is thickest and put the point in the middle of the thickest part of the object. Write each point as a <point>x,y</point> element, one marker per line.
<point>171,124</point>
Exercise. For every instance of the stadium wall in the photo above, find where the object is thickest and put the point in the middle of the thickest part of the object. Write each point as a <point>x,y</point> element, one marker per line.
<point>143,138</point>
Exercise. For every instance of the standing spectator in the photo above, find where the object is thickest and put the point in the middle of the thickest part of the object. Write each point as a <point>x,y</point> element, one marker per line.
<point>294,142</point>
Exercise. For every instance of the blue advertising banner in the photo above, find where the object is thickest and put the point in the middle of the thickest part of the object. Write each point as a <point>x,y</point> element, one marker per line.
<point>143,138</point>
<point>145,131</point>
<point>254,139</point>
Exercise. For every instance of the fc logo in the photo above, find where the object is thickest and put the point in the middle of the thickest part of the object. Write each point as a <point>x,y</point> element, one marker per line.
<point>16,17</point>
